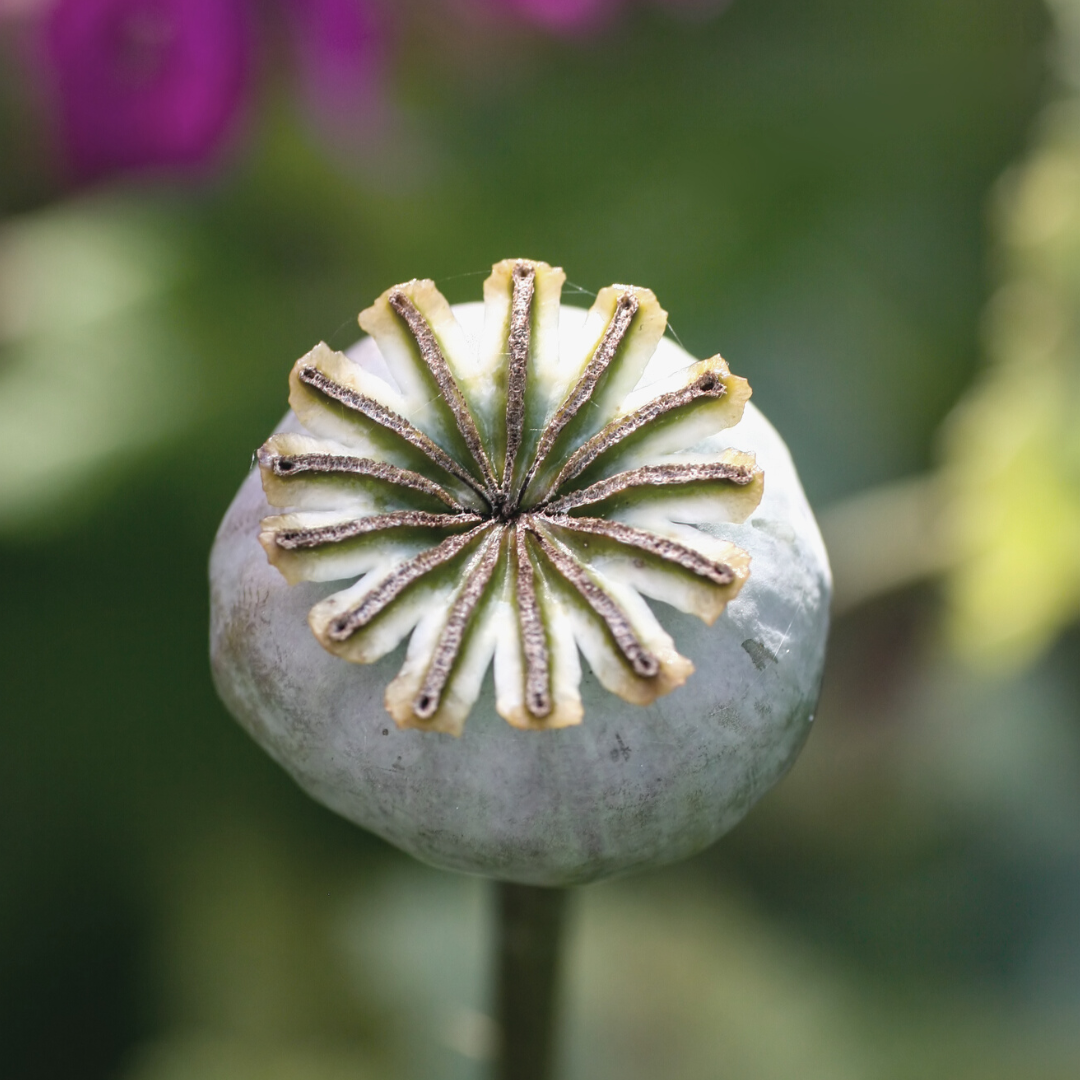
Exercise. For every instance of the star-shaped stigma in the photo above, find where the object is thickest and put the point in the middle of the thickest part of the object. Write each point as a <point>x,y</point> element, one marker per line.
<point>510,498</point>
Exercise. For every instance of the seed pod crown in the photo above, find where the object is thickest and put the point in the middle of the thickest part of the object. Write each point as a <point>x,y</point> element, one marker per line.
<point>504,499</point>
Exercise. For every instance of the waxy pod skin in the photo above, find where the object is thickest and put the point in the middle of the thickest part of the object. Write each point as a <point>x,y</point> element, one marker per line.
<point>428,603</point>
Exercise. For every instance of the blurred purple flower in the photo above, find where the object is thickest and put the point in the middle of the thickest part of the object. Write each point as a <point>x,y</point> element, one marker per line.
<point>147,83</point>
<point>340,45</point>
<point>562,16</point>
<point>578,16</point>
<point>694,9</point>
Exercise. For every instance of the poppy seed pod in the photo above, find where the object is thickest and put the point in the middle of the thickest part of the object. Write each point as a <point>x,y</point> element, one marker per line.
<point>460,509</point>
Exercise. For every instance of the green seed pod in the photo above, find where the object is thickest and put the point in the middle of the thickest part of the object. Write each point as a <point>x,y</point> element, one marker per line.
<point>499,486</point>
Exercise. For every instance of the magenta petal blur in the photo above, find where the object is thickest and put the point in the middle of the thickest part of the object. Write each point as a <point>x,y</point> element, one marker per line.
<point>147,83</point>
<point>562,16</point>
<point>340,46</point>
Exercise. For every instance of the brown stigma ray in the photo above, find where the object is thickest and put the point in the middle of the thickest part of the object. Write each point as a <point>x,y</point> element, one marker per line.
<point>531,626</point>
<point>289,465</point>
<point>426,702</point>
<point>391,421</point>
<point>709,385</point>
<point>660,546</point>
<point>391,586</point>
<point>625,310</point>
<point>524,288</point>
<point>432,355</point>
<point>652,476</point>
<point>319,535</point>
<point>640,659</point>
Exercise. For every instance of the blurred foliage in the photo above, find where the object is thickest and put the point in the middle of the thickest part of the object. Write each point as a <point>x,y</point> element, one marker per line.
<point>803,185</point>
<point>1015,444</point>
<point>94,371</point>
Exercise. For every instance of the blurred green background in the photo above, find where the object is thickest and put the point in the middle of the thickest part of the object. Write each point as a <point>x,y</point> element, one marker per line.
<point>873,211</point>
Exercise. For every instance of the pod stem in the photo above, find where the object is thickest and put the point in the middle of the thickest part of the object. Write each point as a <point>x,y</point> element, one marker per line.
<point>530,920</point>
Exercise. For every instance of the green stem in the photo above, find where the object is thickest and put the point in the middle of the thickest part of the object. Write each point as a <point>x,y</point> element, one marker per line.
<point>530,921</point>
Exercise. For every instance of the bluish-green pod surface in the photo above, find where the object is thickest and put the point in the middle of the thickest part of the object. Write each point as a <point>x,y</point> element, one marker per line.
<point>523,588</point>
